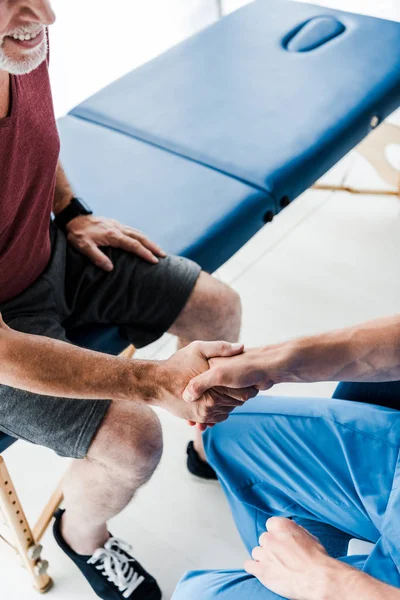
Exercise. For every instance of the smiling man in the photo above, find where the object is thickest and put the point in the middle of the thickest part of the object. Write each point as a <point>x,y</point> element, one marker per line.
<point>82,269</point>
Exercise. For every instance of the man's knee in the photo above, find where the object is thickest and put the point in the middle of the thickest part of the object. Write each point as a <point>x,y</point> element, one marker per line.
<point>223,300</point>
<point>229,308</point>
<point>214,311</point>
<point>129,441</point>
<point>147,445</point>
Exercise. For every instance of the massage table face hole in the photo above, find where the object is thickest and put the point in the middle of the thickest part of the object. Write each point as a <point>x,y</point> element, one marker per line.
<point>313,33</point>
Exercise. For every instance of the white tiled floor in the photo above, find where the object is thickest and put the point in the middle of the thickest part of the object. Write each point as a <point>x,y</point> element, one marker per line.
<point>327,261</point>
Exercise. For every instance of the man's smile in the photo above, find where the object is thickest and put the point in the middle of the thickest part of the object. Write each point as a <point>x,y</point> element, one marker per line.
<point>26,40</point>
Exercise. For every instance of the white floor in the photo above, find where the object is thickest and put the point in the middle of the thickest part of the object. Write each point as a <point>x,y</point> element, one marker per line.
<point>327,261</point>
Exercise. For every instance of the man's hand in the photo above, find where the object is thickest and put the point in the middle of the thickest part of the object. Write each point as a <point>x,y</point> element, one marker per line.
<point>292,563</point>
<point>173,376</point>
<point>245,370</point>
<point>89,233</point>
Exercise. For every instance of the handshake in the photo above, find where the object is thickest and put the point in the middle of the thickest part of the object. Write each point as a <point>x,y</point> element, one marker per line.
<point>205,381</point>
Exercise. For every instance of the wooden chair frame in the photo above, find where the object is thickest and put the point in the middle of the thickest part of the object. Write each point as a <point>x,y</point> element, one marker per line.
<point>26,540</point>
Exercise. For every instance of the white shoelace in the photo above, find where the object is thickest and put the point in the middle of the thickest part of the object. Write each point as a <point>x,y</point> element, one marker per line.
<point>116,566</point>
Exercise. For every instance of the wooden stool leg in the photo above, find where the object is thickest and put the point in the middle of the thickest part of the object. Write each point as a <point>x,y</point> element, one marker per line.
<point>47,514</point>
<point>128,352</point>
<point>15,518</point>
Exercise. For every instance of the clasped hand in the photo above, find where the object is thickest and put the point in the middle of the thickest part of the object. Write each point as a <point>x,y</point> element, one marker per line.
<point>216,402</point>
<point>227,376</point>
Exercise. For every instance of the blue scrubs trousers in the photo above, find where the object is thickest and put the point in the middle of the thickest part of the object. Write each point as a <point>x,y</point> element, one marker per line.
<point>331,463</point>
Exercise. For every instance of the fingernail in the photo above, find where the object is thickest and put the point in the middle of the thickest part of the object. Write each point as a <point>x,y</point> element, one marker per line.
<point>187,396</point>
<point>237,346</point>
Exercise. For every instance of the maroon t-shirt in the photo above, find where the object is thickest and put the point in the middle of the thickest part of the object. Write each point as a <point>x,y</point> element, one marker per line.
<point>29,150</point>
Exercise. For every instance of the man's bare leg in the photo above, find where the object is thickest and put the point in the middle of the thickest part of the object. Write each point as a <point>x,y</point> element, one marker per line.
<point>128,445</point>
<point>122,457</point>
<point>213,312</point>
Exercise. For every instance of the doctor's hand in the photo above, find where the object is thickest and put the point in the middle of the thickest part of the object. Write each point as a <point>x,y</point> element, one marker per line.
<point>292,563</point>
<point>245,370</point>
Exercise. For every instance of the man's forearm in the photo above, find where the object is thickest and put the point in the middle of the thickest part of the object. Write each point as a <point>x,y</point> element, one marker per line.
<point>368,352</point>
<point>63,192</point>
<point>347,583</point>
<point>50,367</point>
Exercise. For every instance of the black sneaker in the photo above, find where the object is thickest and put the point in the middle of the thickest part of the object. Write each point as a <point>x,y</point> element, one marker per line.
<point>111,570</point>
<point>197,466</point>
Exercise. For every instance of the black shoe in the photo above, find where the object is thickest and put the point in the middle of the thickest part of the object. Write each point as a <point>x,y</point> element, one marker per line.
<point>111,570</point>
<point>197,466</point>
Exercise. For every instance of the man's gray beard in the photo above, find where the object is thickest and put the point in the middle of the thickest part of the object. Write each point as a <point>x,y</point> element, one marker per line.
<point>27,64</point>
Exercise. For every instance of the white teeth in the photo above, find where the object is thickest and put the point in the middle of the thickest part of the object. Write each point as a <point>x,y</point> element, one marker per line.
<point>26,36</point>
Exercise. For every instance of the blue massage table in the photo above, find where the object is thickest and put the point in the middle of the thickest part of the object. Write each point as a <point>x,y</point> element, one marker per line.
<point>205,144</point>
